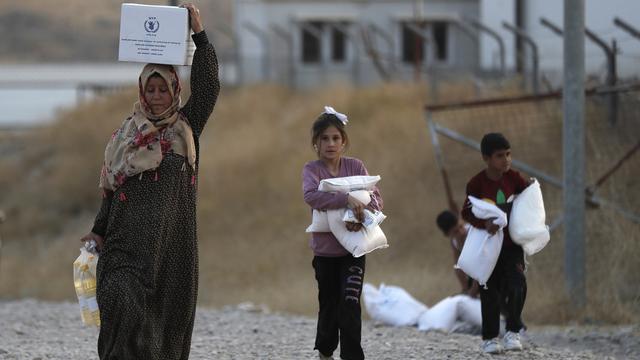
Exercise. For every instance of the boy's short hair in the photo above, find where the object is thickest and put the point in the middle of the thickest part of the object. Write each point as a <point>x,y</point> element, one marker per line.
<point>493,142</point>
<point>446,221</point>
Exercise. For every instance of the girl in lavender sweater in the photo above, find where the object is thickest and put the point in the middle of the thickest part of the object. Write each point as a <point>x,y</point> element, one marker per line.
<point>338,273</point>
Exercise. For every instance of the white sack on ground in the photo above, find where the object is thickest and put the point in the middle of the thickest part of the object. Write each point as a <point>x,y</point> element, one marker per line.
<point>481,250</point>
<point>392,305</point>
<point>358,243</point>
<point>370,297</point>
<point>469,310</point>
<point>442,316</point>
<point>527,221</point>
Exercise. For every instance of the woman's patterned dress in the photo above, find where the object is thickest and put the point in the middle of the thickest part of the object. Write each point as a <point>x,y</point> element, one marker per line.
<point>148,268</point>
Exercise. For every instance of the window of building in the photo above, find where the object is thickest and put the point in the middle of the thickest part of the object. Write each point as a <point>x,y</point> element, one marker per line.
<point>440,38</point>
<point>338,45</point>
<point>412,45</point>
<point>311,42</point>
<point>319,35</point>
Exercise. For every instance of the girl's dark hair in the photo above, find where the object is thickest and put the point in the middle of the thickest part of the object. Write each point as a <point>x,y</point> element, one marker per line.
<point>323,122</point>
<point>493,142</point>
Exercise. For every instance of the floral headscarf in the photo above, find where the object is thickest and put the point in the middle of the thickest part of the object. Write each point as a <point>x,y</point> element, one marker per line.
<point>143,139</point>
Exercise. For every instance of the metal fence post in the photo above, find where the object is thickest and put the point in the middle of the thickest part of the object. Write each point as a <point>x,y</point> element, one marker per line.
<point>375,29</point>
<point>494,35</point>
<point>440,161</point>
<point>264,39</point>
<point>626,27</point>
<point>356,50</point>
<point>610,53</point>
<point>2,217</point>
<point>472,35</point>
<point>534,53</point>
<point>368,34</point>
<point>235,39</point>
<point>612,73</point>
<point>573,135</point>
<point>316,33</point>
<point>288,39</point>
<point>419,28</point>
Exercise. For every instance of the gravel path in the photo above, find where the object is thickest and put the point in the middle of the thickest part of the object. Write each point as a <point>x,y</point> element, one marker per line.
<point>36,330</point>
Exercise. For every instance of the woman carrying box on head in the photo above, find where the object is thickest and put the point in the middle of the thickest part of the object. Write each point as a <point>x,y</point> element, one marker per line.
<point>338,273</point>
<point>146,227</point>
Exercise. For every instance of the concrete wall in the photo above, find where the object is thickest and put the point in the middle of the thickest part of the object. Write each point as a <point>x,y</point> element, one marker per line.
<point>282,66</point>
<point>492,14</point>
<point>599,18</point>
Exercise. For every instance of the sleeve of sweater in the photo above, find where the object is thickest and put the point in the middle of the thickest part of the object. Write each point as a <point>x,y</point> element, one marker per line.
<point>473,189</point>
<point>100,223</point>
<point>205,84</point>
<point>319,200</point>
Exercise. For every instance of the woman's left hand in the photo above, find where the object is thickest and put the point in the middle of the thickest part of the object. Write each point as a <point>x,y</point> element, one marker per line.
<point>352,226</point>
<point>194,17</point>
<point>97,238</point>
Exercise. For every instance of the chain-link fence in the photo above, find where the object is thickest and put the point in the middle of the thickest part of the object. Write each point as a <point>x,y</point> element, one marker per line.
<point>533,125</point>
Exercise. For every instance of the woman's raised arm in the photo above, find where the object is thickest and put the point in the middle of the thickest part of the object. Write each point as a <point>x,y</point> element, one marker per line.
<point>205,83</point>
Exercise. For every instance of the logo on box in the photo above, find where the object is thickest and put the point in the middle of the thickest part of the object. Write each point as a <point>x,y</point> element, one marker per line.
<point>151,24</point>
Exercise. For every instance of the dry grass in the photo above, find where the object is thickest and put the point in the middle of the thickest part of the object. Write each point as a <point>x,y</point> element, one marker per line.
<point>251,213</point>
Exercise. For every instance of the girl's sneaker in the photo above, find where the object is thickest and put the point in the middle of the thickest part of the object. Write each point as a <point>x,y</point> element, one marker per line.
<point>512,341</point>
<point>492,346</point>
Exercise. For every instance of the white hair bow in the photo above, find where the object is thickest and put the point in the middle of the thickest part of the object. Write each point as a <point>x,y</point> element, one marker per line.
<point>340,116</point>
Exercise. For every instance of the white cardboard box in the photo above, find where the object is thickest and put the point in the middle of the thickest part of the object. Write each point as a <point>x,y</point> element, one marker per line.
<point>155,34</point>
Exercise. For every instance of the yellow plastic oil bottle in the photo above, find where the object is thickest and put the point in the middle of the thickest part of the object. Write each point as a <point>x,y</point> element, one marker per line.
<point>84,279</point>
<point>77,282</point>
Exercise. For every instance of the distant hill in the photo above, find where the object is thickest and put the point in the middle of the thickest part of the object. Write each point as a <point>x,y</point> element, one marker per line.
<point>77,31</point>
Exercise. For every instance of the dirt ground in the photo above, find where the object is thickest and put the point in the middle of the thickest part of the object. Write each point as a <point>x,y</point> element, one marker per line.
<point>35,330</point>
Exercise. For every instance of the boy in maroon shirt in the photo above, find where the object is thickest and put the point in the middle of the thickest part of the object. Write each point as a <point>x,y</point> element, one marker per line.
<point>507,283</point>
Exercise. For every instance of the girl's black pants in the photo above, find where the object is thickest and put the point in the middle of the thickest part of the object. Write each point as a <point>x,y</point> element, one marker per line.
<point>339,318</point>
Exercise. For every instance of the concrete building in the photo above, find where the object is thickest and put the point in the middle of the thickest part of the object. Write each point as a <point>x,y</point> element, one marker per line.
<point>599,19</point>
<point>312,43</point>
